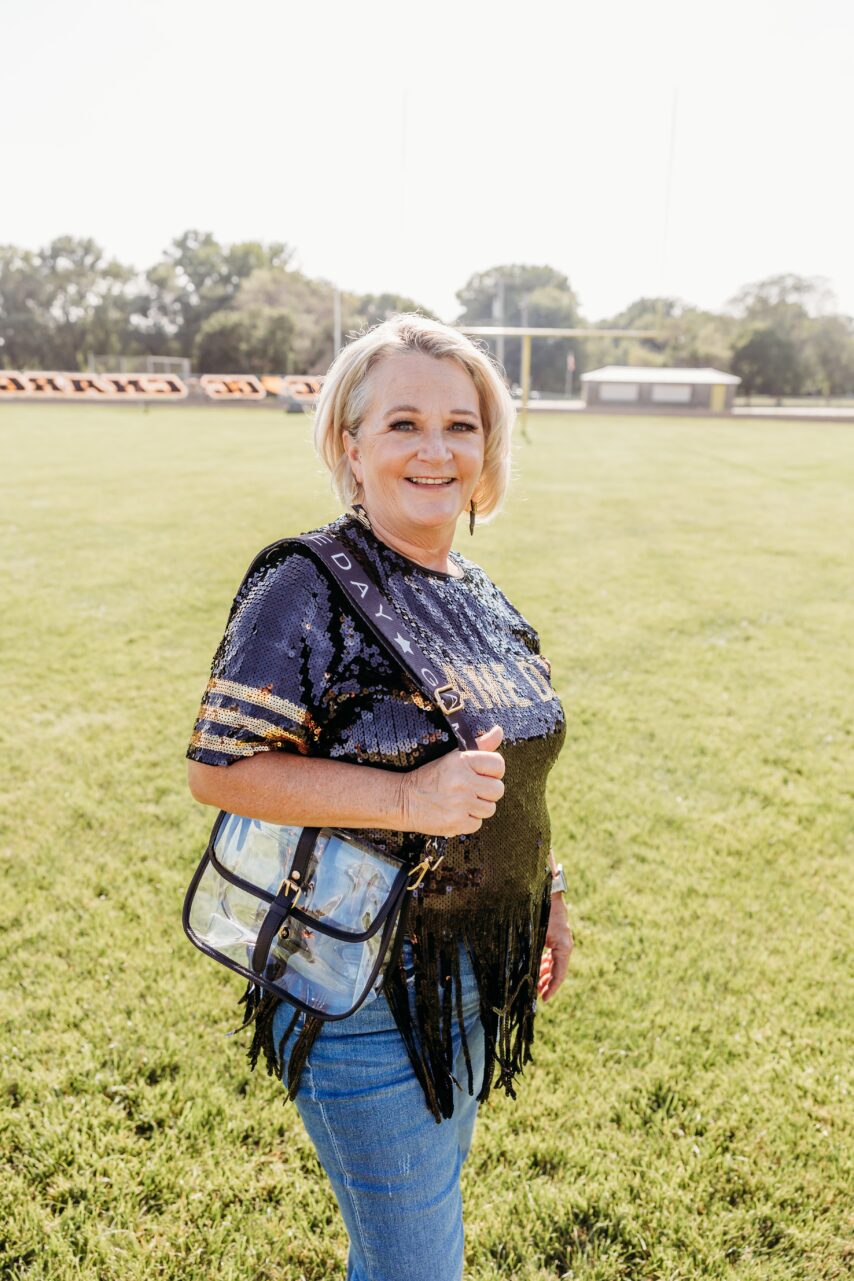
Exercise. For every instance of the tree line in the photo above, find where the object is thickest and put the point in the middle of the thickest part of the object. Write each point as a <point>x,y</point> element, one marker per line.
<point>779,335</point>
<point>245,308</point>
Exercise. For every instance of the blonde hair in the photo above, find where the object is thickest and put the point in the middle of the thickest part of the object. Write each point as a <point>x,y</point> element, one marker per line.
<point>344,398</point>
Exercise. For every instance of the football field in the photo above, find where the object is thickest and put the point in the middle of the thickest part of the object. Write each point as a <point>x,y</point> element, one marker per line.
<point>688,1113</point>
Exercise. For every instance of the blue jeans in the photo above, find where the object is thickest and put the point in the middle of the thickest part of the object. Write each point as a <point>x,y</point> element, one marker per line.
<point>394,1170</point>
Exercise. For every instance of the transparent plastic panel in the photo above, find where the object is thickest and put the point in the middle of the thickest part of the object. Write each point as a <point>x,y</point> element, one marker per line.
<point>260,853</point>
<point>324,973</point>
<point>345,884</point>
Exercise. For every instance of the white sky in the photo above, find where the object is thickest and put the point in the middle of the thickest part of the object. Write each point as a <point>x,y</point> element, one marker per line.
<point>403,147</point>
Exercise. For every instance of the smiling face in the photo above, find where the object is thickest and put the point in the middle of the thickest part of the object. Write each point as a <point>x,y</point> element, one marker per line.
<point>419,450</point>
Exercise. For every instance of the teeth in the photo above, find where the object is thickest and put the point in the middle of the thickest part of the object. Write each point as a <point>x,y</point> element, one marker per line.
<point>429,480</point>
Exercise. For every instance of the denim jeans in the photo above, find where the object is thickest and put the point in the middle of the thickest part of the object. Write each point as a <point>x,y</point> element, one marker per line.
<point>394,1170</point>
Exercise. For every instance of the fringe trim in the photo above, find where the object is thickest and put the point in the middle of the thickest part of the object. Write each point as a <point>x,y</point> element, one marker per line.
<point>505,957</point>
<point>261,1008</point>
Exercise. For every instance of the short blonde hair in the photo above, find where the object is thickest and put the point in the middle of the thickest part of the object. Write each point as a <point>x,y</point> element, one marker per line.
<point>343,400</point>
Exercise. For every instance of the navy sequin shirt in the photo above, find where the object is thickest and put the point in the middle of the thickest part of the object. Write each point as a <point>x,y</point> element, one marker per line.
<point>297,670</point>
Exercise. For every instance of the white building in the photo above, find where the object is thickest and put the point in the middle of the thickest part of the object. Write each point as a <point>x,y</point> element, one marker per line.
<point>651,389</point>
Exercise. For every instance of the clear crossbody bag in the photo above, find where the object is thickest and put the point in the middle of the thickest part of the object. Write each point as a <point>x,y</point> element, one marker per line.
<point>312,914</point>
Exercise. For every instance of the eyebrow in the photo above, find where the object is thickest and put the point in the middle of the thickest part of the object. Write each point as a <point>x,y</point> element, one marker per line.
<point>413,409</point>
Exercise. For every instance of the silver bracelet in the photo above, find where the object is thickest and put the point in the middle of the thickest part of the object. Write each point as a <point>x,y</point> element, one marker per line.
<point>559,885</point>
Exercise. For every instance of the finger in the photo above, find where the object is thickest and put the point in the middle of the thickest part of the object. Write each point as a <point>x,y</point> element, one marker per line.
<point>544,977</point>
<point>489,789</point>
<point>490,764</point>
<point>488,742</point>
<point>559,971</point>
<point>481,809</point>
<point>466,826</point>
<point>560,968</point>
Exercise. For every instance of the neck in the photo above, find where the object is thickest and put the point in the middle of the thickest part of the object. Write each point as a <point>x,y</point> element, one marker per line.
<point>429,547</point>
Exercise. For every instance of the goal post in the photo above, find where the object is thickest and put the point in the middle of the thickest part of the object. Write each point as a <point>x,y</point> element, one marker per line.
<point>526,333</point>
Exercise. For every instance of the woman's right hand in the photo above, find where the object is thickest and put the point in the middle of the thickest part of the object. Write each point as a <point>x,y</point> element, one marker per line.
<point>452,796</point>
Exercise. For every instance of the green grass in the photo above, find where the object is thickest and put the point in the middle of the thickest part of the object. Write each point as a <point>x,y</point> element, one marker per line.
<point>686,1115</point>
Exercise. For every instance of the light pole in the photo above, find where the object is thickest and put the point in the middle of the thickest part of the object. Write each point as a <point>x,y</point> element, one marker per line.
<point>498,317</point>
<point>336,320</point>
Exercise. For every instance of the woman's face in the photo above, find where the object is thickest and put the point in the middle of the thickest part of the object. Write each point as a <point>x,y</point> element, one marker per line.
<point>419,452</point>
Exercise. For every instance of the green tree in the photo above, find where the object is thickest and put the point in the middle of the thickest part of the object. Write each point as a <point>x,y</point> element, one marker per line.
<point>771,351</point>
<point>196,278</point>
<point>831,351</point>
<point>25,330</point>
<point>643,313</point>
<point>375,308</point>
<point>61,302</point>
<point>782,294</point>
<point>687,337</point>
<point>769,363</point>
<point>535,296</point>
<point>698,339</point>
<point>310,303</point>
<point>258,341</point>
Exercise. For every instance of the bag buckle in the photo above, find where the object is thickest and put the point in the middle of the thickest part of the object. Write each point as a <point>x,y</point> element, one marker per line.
<point>426,865</point>
<point>449,699</point>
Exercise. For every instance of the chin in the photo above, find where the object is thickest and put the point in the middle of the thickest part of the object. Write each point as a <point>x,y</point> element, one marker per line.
<point>424,514</point>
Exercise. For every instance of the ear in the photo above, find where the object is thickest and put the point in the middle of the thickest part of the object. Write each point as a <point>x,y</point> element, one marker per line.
<point>351,449</point>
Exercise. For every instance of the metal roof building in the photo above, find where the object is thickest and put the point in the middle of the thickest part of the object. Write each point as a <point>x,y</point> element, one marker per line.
<point>650,389</point>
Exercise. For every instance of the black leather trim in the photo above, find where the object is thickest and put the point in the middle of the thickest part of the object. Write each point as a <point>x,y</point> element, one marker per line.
<point>283,902</point>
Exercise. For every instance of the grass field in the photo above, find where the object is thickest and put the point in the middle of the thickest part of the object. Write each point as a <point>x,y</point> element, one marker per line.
<point>688,1114</point>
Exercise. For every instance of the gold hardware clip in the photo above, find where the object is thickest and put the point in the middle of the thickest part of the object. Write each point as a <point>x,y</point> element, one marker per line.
<point>426,865</point>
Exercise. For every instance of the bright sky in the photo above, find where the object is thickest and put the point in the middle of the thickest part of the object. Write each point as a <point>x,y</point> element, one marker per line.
<point>402,147</point>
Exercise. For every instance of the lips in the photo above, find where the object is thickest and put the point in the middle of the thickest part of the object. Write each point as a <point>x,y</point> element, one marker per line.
<point>427,482</point>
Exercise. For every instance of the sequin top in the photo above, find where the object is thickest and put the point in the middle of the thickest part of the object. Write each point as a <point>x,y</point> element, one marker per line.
<point>297,670</point>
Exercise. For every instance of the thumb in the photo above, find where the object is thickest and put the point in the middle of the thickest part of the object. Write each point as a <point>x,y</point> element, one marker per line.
<point>490,741</point>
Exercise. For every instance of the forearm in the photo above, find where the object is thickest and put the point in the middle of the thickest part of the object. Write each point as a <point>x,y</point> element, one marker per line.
<point>302,791</point>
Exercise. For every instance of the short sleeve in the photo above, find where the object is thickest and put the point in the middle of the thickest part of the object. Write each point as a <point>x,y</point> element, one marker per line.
<point>267,675</point>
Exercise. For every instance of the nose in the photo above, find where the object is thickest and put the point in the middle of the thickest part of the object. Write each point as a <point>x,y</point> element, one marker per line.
<point>434,446</point>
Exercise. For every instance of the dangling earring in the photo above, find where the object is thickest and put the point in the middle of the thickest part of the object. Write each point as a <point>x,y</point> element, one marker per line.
<point>472,514</point>
<point>361,515</point>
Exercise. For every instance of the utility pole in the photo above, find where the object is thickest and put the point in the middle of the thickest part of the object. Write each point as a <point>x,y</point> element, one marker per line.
<point>336,320</point>
<point>498,316</point>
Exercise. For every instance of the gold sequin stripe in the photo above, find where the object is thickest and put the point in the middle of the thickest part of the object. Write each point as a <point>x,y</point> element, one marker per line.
<point>239,720</point>
<point>219,743</point>
<point>235,746</point>
<point>263,698</point>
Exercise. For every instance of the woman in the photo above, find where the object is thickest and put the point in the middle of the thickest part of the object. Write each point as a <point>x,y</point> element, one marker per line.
<point>321,728</point>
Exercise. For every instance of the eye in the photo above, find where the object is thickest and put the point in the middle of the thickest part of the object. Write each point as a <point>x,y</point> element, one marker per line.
<point>465,426</point>
<point>403,424</point>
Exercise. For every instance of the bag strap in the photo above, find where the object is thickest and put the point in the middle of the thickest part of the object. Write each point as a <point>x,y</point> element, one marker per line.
<point>289,892</point>
<point>378,613</point>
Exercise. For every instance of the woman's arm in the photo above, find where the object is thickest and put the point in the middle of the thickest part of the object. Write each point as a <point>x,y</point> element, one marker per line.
<point>277,787</point>
<point>446,797</point>
<point>559,943</point>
